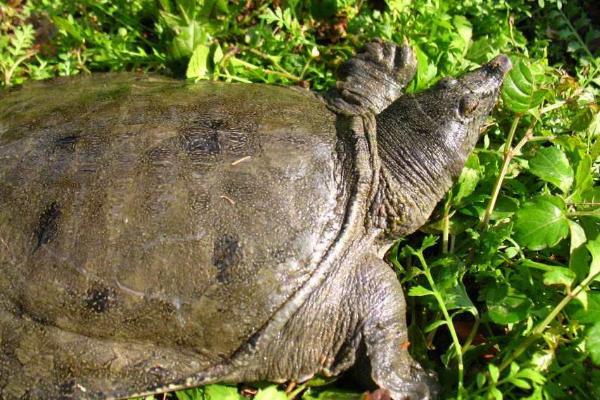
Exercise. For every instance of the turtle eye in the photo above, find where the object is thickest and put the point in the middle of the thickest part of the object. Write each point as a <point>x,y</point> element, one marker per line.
<point>468,105</point>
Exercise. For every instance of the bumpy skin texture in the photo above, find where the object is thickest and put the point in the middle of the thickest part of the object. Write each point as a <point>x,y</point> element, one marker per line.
<point>156,235</point>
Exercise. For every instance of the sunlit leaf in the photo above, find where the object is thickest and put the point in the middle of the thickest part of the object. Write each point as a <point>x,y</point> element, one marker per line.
<point>551,165</point>
<point>579,256</point>
<point>506,305</point>
<point>541,223</point>
<point>188,38</point>
<point>519,91</point>
<point>494,372</point>
<point>419,291</point>
<point>331,394</point>
<point>222,392</point>
<point>592,343</point>
<point>270,393</point>
<point>198,64</point>
<point>468,179</point>
<point>594,248</point>
<point>590,314</point>
<point>559,276</point>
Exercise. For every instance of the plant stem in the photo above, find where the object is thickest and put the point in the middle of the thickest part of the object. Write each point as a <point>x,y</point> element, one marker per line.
<point>281,71</point>
<point>507,157</point>
<point>9,73</point>
<point>449,323</point>
<point>471,336</point>
<point>594,213</point>
<point>539,328</point>
<point>267,71</point>
<point>446,226</point>
<point>554,106</point>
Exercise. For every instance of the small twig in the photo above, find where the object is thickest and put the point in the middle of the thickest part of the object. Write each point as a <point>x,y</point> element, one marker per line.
<point>236,162</point>
<point>446,221</point>
<point>507,158</point>
<point>305,68</point>
<point>290,387</point>
<point>554,106</point>
<point>593,213</point>
<point>471,336</point>
<point>584,203</point>
<point>449,322</point>
<point>229,199</point>
<point>9,73</point>
<point>281,71</point>
<point>292,394</point>
<point>267,71</point>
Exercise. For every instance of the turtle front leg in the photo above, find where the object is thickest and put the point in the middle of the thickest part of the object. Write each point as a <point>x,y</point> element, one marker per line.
<point>385,335</point>
<point>374,78</point>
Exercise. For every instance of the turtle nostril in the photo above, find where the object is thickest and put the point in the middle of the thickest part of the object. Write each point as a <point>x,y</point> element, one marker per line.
<point>502,63</point>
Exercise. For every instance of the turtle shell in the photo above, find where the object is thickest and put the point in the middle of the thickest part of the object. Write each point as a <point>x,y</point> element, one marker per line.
<point>151,214</point>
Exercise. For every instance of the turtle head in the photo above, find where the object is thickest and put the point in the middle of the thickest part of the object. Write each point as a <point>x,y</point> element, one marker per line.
<point>461,106</point>
<point>424,140</point>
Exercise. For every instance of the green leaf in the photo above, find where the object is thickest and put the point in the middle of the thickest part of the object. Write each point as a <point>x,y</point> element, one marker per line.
<point>320,380</point>
<point>583,119</point>
<point>187,40</point>
<point>464,29</point>
<point>434,325</point>
<point>419,291</point>
<point>189,394</point>
<point>520,383</point>
<point>579,256</point>
<point>519,90</point>
<point>222,392</point>
<point>426,70</point>
<point>468,179</point>
<point>69,27</point>
<point>494,372</point>
<point>505,207</point>
<point>495,393</point>
<point>456,297</point>
<point>331,394</point>
<point>532,375</point>
<point>506,305</point>
<point>198,65</point>
<point>541,223</point>
<point>559,276</point>
<point>270,393</point>
<point>592,343</point>
<point>551,165</point>
<point>218,54</point>
<point>594,247</point>
<point>584,180</point>
<point>480,379</point>
<point>591,313</point>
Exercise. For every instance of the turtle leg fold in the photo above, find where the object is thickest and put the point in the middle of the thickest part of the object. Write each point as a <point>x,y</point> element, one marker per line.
<point>356,317</point>
<point>385,336</point>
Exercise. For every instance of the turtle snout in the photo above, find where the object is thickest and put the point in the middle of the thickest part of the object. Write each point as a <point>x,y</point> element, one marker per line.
<point>500,63</point>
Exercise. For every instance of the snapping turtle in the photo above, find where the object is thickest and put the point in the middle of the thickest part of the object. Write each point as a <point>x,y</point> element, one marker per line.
<point>157,235</point>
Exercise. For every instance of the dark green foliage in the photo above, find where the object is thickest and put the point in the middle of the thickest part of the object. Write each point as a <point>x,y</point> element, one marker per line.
<point>505,290</point>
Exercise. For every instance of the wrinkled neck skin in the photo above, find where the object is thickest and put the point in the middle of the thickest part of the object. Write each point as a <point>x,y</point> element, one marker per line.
<point>422,152</point>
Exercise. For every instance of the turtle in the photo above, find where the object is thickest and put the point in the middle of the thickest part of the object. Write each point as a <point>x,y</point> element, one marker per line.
<point>158,235</point>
